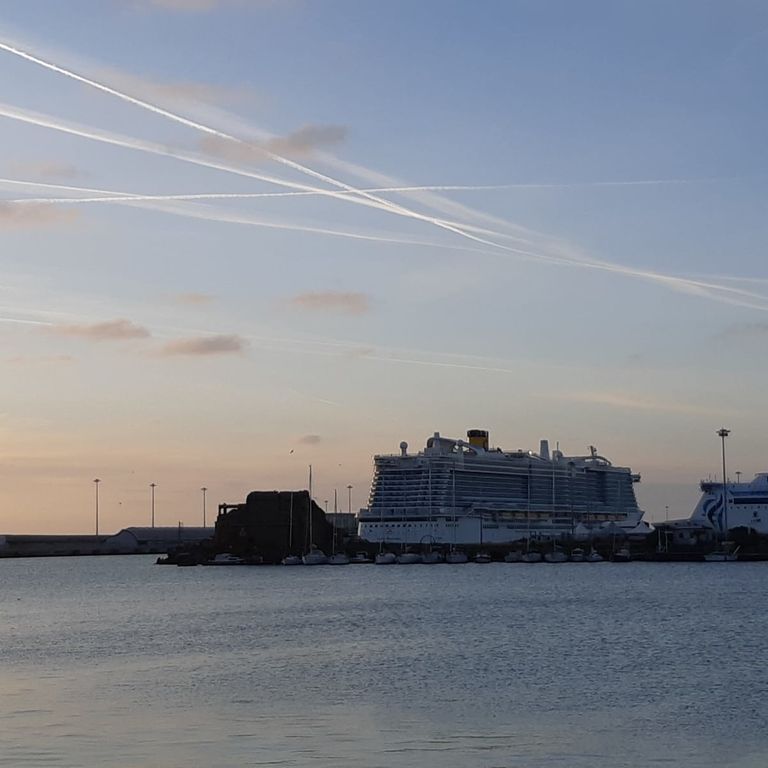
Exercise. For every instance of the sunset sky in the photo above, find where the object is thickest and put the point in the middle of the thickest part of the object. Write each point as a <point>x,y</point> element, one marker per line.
<point>578,254</point>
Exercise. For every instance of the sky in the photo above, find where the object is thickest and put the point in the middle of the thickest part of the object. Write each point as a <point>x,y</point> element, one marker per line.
<point>242,237</point>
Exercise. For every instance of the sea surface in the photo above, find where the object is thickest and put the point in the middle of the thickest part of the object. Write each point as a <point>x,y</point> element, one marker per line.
<point>115,661</point>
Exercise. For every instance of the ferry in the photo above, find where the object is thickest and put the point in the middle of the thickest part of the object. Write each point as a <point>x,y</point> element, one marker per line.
<point>464,492</point>
<point>743,505</point>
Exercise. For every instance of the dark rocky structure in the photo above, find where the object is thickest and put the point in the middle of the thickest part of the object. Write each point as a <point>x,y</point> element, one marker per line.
<point>271,525</point>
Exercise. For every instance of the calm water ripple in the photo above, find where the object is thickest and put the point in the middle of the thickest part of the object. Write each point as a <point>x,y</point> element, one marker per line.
<point>114,662</point>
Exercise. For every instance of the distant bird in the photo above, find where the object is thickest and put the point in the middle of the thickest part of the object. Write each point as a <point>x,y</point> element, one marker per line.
<point>291,450</point>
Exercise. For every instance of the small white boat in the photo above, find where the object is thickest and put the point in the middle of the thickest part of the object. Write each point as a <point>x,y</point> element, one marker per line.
<point>292,560</point>
<point>621,556</point>
<point>408,558</point>
<point>431,557</point>
<point>385,558</point>
<point>482,558</point>
<point>556,556</point>
<point>338,559</point>
<point>578,556</point>
<point>531,557</point>
<point>225,558</point>
<point>315,556</point>
<point>515,556</point>
<point>722,556</point>
<point>456,557</point>
<point>360,558</point>
<point>594,557</point>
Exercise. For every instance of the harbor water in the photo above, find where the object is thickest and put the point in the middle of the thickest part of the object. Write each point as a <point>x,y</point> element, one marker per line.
<point>115,662</point>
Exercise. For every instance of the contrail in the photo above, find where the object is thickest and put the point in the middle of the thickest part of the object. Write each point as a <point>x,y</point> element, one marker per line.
<point>723,293</point>
<point>154,202</point>
<point>107,196</point>
<point>126,142</point>
<point>357,193</point>
<point>387,205</point>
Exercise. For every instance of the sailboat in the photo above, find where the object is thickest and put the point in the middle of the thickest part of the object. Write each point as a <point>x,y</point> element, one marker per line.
<point>314,555</point>
<point>290,559</point>
<point>336,558</point>
<point>594,556</point>
<point>528,556</point>
<point>382,557</point>
<point>556,555</point>
<point>481,556</point>
<point>455,556</point>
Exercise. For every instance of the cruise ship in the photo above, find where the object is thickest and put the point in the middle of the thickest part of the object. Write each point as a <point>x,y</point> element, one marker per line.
<point>746,507</point>
<point>463,492</point>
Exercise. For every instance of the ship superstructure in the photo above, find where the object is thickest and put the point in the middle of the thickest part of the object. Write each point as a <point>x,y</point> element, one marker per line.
<point>459,492</point>
<point>744,506</point>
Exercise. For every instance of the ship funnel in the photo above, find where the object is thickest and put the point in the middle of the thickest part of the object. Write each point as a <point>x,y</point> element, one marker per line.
<point>544,449</point>
<point>478,438</point>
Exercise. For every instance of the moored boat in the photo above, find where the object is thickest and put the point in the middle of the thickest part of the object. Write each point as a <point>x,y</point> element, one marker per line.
<point>722,556</point>
<point>556,556</point>
<point>515,556</point>
<point>482,558</point>
<point>292,560</point>
<point>577,555</point>
<point>456,556</point>
<point>385,558</point>
<point>360,558</point>
<point>225,558</point>
<point>622,555</point>
<point>338,559</point>
<point>315,556</point>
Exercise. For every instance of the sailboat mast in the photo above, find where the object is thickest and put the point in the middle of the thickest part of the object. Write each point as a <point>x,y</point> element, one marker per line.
<point>453,494</point>
<point>290,525</point>
<point>310,507</point>
<point>335,510</point>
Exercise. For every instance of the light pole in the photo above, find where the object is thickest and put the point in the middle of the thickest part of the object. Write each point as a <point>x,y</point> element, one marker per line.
<point>738,476</point>
<point>152,487</point>
<point>723,433</point>
<point>96,484</point>
<point>349,495</point>
<point>326,506</point>
<point>203,489</point>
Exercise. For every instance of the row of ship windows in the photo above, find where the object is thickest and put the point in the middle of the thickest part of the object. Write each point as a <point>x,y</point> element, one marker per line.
<point>404,525</point>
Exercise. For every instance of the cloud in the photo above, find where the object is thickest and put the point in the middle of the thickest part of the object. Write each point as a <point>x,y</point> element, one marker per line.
<point>204,345</point>
<point>310,439</point>
<point>15,216</point>
<point>301,143</point>
<point>46,170</point>
<point>178,91</point>
<point>332,301</point>
<point>307,139</point>
<point>193,298</point>
<point>111,330</point>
